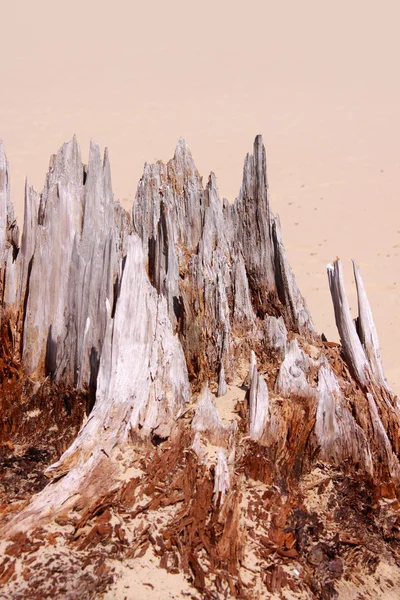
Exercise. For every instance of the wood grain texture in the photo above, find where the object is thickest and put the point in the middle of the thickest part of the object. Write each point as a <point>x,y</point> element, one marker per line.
<point>183,323</point>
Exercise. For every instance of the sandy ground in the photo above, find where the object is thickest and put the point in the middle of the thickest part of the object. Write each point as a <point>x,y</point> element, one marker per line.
<point>319,81</point>
<point>142,579</point>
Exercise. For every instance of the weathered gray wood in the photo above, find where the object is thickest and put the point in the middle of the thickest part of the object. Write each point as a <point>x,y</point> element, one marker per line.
<point>207,420</point>
<point>297,312</point>
<point>350,341</point>
<point>251,215</point>
<point>383,443</point>
<point>258,404</point>
<point>9,236</point>
<point>151,389</point>
<point>4,199</point>
<point>361,351</point>
<point>201,253</point>
<point>222,479</point>
<point>142,388</point>
<point>6,211</point>
<point>72,248</point>
<point>293,374</point>
<point>367,331</point>
<point>338,435</point>
<point>252,368</point>
<point>276,334</point>
<point>198,285</point>
<point>243,311</point>
<point>358,337</point>
<point>222,389</point>
<point>28,242</point>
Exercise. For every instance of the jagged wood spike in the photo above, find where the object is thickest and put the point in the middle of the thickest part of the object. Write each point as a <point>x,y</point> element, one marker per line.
<point>338,435</point>
<point>73,244</point>
<point>4,201</point>
<point>367,331</point>
<point>4,194</point>
<point>258,405</point>
<point>222,389</point>
<point>352,348</point>
<point>289,294</point>
<point>253,207</point>
<point>9,236</point>
<point>252,368</point>
<point>222,479</point>
<point>201,253</point>
<point>243,309</point>
<point>28,242</point>
<point>208,422</point>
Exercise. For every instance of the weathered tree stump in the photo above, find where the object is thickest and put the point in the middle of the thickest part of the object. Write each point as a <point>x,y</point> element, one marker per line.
<point>147,310</point>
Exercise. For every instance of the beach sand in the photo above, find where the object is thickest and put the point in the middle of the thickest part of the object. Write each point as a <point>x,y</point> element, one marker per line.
<point>318,81</point>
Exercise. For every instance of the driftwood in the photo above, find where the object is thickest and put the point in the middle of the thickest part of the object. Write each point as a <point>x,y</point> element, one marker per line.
<point>143,311</point>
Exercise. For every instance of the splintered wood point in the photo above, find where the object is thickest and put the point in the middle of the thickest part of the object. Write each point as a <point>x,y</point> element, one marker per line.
<point>258,403</point>
<point>222,481</point>
<point>222,389</point>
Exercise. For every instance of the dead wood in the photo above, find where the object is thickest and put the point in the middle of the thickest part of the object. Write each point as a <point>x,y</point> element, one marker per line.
<point>115,332</point>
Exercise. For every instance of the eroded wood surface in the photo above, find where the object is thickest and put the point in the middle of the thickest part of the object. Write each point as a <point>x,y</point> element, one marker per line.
<point>163,366</point>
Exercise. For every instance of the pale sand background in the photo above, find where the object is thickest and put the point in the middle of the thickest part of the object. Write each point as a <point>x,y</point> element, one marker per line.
<point>319,80</point>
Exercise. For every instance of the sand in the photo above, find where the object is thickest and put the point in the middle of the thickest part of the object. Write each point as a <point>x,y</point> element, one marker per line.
<point>318,81</point>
